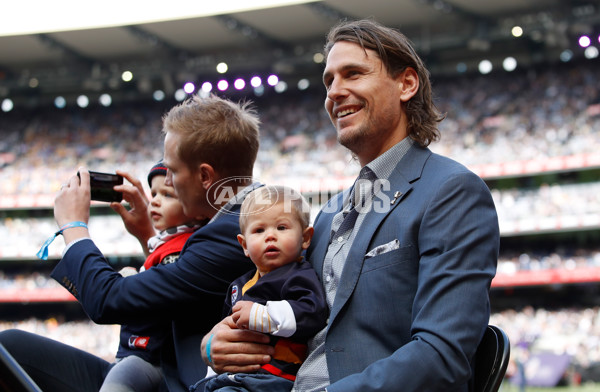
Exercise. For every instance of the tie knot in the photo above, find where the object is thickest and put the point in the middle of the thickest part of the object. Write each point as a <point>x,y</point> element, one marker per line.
<point>367,174</point>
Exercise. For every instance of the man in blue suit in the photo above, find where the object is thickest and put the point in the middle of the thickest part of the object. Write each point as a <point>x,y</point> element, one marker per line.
<point>407,260</point>
<point>210,148</point>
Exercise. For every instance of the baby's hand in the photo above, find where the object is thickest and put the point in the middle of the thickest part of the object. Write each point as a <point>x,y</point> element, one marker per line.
<point>241,313</point>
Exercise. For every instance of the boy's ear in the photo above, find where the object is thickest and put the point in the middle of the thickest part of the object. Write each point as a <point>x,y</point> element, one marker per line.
<point>242,240</point>
<point>307,237</point>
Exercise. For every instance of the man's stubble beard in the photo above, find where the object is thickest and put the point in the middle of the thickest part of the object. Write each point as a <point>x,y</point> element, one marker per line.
<point>356,139</point>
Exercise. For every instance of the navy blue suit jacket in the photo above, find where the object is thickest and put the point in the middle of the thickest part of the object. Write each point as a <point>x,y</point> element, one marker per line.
<point>410,317</point>
<point>191,292</point>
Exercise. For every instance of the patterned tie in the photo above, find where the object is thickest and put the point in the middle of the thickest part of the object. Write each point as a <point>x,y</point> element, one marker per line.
<point>363,187</point>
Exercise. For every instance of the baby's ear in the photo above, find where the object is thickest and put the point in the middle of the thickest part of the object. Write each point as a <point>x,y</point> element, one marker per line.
<point>242,240</point>
<point>307,237</point>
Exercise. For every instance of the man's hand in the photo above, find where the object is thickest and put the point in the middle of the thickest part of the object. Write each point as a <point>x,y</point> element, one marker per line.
<point>136,219</point>
<point>236,350</point>
<point>73,204</point>
<point>241,314</point>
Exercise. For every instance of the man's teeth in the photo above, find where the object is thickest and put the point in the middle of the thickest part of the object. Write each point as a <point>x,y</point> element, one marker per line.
<point>345,112</point>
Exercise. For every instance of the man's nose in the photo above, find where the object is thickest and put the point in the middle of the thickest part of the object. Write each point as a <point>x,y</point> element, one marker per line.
<point>336,90</point>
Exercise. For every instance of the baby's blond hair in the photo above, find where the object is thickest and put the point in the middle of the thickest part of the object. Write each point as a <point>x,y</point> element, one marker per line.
<point>266,196</point>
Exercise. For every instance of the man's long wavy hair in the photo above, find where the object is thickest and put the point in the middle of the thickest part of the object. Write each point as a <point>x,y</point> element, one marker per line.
<point>396,53</point>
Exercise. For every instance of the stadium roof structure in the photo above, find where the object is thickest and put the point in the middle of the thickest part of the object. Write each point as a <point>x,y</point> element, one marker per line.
<point>281,40</point>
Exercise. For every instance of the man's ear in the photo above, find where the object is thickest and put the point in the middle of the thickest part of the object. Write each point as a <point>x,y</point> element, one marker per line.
<point>408,83</point>
<point>207,175</point>
<point>242,240</point>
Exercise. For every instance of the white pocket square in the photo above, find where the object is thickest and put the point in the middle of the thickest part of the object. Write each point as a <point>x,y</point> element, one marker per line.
<point>378,250</point>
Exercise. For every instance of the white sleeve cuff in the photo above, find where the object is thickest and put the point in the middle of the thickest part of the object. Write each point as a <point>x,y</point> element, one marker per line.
<point>210,372</point>
<point>73,243</point>
<point>276,318</point>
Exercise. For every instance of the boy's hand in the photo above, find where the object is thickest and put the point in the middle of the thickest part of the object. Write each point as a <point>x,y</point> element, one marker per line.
<point>241,313</point>
<point>136,219</point>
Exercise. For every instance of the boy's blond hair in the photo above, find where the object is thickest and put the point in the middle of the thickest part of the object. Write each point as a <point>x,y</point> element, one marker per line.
<point>267,196</point>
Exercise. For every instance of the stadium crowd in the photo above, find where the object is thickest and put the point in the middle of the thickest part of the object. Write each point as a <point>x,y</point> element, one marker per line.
<point>518,116</point>
<point>101,340</point>
<point>572,331</point>
<point>548,207</point>
<point>509,262</point>
<point>507,117</point>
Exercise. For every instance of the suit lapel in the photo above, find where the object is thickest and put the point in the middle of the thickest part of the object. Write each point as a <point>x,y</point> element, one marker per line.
<point>407,171</point>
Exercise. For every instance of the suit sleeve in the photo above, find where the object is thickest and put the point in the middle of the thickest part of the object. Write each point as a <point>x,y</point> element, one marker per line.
<point>209,261</point>
<point>458,241</point>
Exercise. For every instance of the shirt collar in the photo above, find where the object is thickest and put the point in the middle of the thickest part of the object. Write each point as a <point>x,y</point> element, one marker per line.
<point>384,165</point>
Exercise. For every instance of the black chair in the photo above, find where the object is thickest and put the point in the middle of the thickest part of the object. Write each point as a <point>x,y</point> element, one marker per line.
<point>12,376</point>
<point>491,360</point>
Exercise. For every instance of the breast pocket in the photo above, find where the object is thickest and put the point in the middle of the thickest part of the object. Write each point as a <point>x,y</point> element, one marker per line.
<point>381,249</point>
<point>386,287</point>
<point>389,254</point>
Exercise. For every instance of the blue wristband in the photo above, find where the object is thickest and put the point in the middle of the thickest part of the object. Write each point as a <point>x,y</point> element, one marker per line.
<point>43,252</point>
<point>208,348</point>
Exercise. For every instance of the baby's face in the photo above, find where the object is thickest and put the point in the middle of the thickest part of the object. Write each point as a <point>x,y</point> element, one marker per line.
<point>274,237</point>
<point>165,209</point>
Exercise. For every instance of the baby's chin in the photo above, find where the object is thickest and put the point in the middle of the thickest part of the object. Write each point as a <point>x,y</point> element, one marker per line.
<point>158,226</point>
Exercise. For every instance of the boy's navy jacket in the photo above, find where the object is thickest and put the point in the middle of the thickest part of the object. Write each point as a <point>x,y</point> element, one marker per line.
<point>298,284</point>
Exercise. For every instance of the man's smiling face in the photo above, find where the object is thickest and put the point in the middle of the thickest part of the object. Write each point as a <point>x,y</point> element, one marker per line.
<point>363,100</point>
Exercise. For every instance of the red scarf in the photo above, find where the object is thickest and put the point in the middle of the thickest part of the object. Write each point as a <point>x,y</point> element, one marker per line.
<point>173,246</point>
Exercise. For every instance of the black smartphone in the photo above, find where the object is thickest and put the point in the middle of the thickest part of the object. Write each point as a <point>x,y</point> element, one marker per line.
<point>101,185</point>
